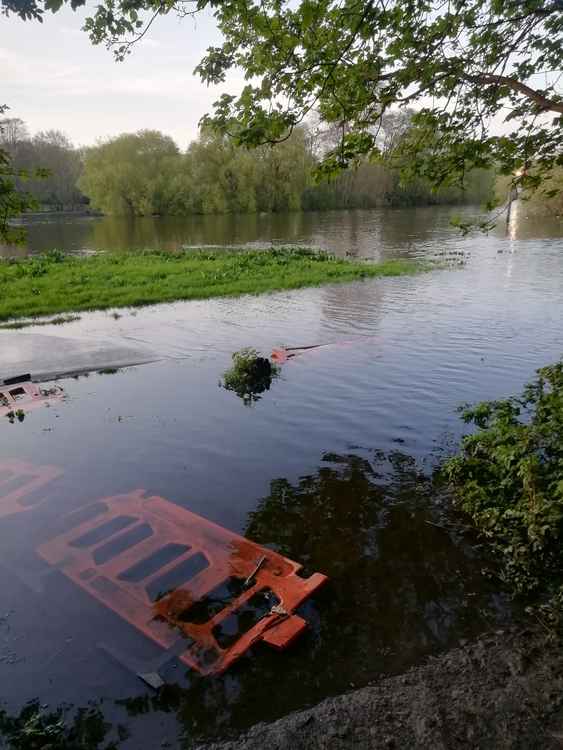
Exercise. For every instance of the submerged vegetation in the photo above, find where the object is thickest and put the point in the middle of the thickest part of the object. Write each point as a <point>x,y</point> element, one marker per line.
<point>19,414</point>
<point>59,320</point>
<point>250,376</point>
<point>36,728</point>
<point>56,283</point>
<point>509,479</point>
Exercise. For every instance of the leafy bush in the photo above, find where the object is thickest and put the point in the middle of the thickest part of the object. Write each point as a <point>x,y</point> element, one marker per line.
<point>509,478</point>
<point>250,375</point>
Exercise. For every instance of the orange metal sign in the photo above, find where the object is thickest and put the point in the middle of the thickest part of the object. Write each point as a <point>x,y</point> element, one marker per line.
<point>281,355</point>
<point>174,575</point>
<point>25,396</point>
<point>19,480</point>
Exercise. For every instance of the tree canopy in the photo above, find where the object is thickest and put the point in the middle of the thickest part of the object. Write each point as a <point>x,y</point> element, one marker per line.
<point>145,173</point>
<point>130,174</point>
<point>482,74</point>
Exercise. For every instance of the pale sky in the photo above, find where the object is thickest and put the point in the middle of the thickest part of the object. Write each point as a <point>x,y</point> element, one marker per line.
<point>54,78</point>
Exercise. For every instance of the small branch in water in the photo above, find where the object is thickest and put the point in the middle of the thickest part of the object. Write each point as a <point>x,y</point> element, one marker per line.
<point>437,525</point>
<point>250,578</point>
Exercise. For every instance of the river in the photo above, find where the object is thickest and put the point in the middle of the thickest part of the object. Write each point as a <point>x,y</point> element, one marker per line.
<point>332,466</point>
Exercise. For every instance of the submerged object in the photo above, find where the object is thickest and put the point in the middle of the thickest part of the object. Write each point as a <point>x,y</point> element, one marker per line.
<point>188,584</point>
<point>281,354</point>
<point>15,394</point>
<point>17,379</point>
<point>20,483</point>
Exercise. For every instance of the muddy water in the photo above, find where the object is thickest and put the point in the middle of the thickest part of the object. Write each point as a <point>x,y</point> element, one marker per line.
<point>331,467</point>
<point>375,233</point>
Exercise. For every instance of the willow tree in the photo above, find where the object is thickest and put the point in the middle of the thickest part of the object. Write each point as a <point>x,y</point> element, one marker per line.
<point>131,173</point>
<point>481,74</point>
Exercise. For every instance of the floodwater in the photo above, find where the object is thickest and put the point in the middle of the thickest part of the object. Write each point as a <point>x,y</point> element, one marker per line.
<point>375,234</point>
<point>332,467</point>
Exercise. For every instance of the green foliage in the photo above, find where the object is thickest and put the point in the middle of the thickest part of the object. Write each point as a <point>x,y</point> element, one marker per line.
<point>62,163</point>
<point>11,416</point>
<point>377,185</point>
<point>14,200</point>
<point>131,174</point>
<point>144,173</point>
<point>127,175</point>
<point>55,283</point>
<point>462,64</point>
<point>356,61</point>
<point>250,375</point>
<point>34,728</point>
<point>509,479</point>
<point>545,201</point>
<point>25,186</point>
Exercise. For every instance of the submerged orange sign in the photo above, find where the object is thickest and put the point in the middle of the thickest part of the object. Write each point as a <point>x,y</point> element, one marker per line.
<point>177,577</point>
<point>20,485</point>
<point>25,396</point>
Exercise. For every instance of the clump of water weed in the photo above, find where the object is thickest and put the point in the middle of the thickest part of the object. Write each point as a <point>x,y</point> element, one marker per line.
<point>250,376</point>
<point>18,415</point>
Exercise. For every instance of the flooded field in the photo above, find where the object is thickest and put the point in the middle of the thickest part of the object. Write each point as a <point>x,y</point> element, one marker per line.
<point>332,467</point>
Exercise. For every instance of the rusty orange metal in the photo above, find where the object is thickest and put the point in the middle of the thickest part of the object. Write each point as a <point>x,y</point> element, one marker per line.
<point>26,396</point>
<point>19,480</point>
<point>281,355</point>
<point>177,576</point>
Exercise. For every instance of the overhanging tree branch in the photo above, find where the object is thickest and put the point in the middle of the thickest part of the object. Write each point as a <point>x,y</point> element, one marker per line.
<point>536,96</point>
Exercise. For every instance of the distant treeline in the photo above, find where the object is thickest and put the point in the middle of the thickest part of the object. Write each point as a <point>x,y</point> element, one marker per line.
<point>145,173</point>
<point>51,150</point>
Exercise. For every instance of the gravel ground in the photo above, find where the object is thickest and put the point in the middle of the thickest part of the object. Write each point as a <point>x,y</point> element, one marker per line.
<point>502,691</point>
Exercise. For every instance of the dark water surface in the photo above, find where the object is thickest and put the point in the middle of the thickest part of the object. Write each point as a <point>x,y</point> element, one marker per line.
<point>379,234</point>
<point>331,467</point>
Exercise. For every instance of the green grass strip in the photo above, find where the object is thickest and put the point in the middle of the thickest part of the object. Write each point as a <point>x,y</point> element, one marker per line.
<point>56,283</point>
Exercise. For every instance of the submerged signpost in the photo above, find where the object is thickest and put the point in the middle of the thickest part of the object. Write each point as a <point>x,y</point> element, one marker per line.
<point>200,591</point>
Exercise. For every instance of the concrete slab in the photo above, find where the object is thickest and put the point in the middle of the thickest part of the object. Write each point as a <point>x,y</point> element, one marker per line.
<point>47,357</point>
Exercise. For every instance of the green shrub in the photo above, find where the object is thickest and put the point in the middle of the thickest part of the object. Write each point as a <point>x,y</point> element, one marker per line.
<point>509,478</point>
<point>250,375</point>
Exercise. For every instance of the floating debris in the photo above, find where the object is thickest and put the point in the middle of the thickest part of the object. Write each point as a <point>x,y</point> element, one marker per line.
<point>152,679</point>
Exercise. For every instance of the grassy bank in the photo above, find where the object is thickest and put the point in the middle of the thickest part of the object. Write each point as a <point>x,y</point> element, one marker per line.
<point>56,283</point>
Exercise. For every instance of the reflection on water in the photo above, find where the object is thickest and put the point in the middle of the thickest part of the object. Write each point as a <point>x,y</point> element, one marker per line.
<point>40,726</point>
<point>403,582</point>
<point>398,356</point>
<point>382,233</point>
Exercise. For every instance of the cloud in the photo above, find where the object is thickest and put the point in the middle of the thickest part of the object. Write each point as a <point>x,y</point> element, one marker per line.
<point>55,78</point>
